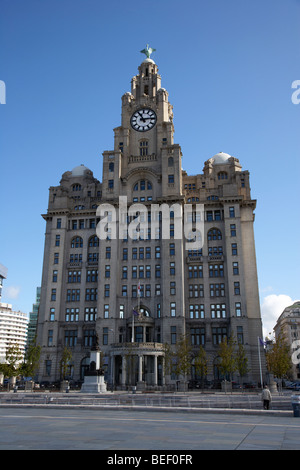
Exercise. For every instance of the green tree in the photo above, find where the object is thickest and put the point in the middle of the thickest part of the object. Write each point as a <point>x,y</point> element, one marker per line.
<point>201,364</point>
<point>278,357</point>
<point>241,361</point>
<point>31,363</point>
<point>65,362</point>
<point>13,360</point>
<point>227,363</point>
<point>183,355</point>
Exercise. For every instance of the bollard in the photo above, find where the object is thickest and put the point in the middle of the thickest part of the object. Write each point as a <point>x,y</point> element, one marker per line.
<point>296,405</point>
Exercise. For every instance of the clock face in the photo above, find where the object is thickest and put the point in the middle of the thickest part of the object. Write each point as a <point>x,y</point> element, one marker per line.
<point>143,119</point>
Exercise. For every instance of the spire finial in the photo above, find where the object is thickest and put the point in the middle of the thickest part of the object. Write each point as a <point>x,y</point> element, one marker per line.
<point>148,51</point>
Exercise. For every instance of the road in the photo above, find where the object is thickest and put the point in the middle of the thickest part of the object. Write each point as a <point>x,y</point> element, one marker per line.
<point>113,430</point>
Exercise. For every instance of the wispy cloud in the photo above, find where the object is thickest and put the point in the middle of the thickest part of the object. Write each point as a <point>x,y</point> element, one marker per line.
<point>11,292</point>
<point>271,308</point>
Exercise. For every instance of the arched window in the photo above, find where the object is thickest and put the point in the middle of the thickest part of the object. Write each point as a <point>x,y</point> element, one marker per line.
<point>76,242</point>
<point>214,234</point>
<point>76,187</point>
<point>143,185</point>
<point>222,175</point>
<point>94,241</point>
<point>170,161</point>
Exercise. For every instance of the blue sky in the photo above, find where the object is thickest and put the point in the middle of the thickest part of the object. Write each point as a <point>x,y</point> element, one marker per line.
<point>228,67</point>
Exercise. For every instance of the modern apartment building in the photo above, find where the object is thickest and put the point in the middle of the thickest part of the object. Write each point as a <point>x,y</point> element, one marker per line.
<point>141,288</point>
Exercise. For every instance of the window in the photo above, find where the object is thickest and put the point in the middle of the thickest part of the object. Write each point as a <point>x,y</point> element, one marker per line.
<point>50,338</point>
<point>240,335</point>
<point>214,234</point>
<point>92,276</point>
<point>52,314</point>
<point>172,268</point>
<point>105,336</point>
<point>88,337</point>
<point>157,252</point>
<point>124,272</point>
<point>234,250</point>
<point>173,309</point>
<point>235,267</point>
<point>73,295</point>
<point>121,311</point>
<point>111,167</point>
<point>170,161</point>
<point>53,294</point>
<point>90,294</point>
<point>196,311</point>
<point>72,314</point>
<point>107,271</point>
<point>94,241</point>
<point>90,314</point>
<point>170,179</point>
<point>56,258</point>
<point>110,184</point>
<point>158,311</point>
<point>54,276</point>
<point>125,254</point>
<point>70,338</point>
<point>238,311</point>
<point>157,270</point>
<point>216,270</point>
<point>198,336</point>
<point>148,290</point>
<point>58,223</point>
<point>106,311</point>
<point>196,290</point>
<point>232,230</point>
<point>215,251</point>
<point>173,334</point>
<point>195,271</point>
<point>106,290</point>
<point>219,335</point>
<point>157,289</point>
<point>217,290</point>
<point>77,242</point>
<point>124,291</point>
<point>148,272</point>
<point>222,175</point>
<point>144,147</point>
<point>236,288</point>
<point>218,311</point>
<point>231,212</point>
<point>172,288</point>
<point>74,276</point>
<point>76,187</point>
<point>148,252</point>
<point>57,240</point>
<point>172,249</point>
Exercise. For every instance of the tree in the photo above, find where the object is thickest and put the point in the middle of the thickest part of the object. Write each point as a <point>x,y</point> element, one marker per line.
<point>183,355</point>
<point>11,368</point>
<point>227,363</point>
<point>168,359</point>
<point>279,357</point>
<point>31,363</point>
<point>65,362</point>
<point>241,361</point>
<point>201,364</point>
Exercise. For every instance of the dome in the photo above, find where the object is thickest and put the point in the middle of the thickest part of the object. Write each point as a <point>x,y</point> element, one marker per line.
<point>221,158</point>
<point>79,170</point>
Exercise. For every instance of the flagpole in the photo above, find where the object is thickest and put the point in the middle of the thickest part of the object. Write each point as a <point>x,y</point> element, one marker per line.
<point>258,345</point>
<point>132,334</point>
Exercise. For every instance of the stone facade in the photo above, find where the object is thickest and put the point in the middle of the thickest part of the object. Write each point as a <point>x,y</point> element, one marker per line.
<point>91,286</point>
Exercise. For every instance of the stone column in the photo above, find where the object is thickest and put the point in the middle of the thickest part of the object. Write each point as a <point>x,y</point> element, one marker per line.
<point>123,370</point>
<point>155,370</point>
<point>140,368</point>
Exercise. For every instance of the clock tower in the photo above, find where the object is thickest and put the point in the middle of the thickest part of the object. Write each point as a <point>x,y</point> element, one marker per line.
<point>144,141</point>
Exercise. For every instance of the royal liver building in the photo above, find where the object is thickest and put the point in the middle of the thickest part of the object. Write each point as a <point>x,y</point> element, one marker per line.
<point>140,279</point>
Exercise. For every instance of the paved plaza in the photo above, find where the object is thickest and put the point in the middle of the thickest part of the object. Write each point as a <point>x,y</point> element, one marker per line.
<point>24,428</point>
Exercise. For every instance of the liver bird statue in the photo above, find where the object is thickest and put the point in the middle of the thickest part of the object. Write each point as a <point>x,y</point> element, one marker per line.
<point>148,51</point>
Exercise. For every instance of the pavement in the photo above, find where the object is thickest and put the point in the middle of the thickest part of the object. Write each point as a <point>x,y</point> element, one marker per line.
<point>114,431</point>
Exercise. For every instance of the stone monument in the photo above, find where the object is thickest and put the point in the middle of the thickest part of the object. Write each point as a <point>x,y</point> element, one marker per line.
<point>94,376</point>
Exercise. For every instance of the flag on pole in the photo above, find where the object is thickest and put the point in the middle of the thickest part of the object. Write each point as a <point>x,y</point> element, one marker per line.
<point>135,313</point>
<point>261,342</point>
<point>139,289</point>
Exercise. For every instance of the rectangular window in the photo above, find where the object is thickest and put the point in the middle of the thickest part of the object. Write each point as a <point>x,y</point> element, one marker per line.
<point>105,336</point>
<point>219,335</point>
<point>173,309</point>
<point>236,288</point>
<point>238,310</point>
<point>173,334</point>
<point>231,212</point>
<point>234,250</point>
<point>50,338</point>
<point>106,311</point>
<point>70,338</point>
<point>232,230</point>
<point>235,267</point>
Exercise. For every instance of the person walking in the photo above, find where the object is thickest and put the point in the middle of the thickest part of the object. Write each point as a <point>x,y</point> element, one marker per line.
<point>266,397</point>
